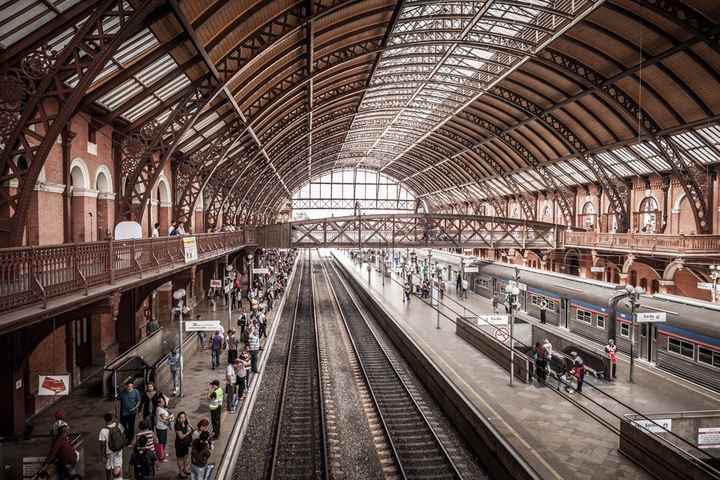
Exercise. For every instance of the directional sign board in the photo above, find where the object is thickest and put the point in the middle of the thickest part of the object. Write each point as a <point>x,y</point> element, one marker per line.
<point>202,326</point>
<point>656,425</point>
<point>597,269</point>
<point>472,269</point>
<point>216,283</point>
<point>651,317</point>
<point>492,320</point>
<point>707,286</point>
<point>261,271</point>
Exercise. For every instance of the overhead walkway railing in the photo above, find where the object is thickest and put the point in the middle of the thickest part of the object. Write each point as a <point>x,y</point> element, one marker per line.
<point>658,244</point>
<point>414,230</point>
<point>32,275</point>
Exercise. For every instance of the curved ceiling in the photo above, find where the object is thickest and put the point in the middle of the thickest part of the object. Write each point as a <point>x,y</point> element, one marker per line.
<point>459,100</point>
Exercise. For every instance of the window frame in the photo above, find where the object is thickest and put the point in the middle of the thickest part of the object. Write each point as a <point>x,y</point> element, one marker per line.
<point>597,320</point>
<point>584,316</point>
<point>624,325</point>
<point>714,357</point>
<point>682,344</point>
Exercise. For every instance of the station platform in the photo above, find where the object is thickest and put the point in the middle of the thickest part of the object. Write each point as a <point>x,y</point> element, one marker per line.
<point>554,436</point>
<point>84,411</point>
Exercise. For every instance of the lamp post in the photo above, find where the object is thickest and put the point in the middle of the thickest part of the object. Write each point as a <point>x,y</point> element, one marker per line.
<point>715,276</point>
<point>512,290</point>
<point>230,275</point>
<point>179,295</point>
<point>634,299</point>
<point>250,272</point>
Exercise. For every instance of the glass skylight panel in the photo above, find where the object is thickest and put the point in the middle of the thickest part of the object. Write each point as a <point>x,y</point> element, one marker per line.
<point>141,108</point>
<point>173,87</point>
<point>120,95</point>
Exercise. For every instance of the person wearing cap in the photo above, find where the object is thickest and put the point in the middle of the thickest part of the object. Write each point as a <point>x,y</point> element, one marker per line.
<point>215,395</point>
<point>58,424</point>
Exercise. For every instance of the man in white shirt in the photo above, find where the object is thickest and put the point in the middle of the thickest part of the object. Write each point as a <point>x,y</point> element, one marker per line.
<point>113,460</point>
<point>156,230</point>
<point>230,385</point>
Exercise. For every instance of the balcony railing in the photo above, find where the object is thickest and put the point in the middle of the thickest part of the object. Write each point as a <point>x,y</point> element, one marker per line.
<point>30,275</point>
<point>641,242</point>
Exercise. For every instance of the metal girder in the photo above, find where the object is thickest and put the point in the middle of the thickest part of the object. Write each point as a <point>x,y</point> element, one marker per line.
<point>143,165</point>
<point>200,169</point>
<point>38,102</point>
<point>427,229</point>
<point>616,189</point>
<point>693,178</point>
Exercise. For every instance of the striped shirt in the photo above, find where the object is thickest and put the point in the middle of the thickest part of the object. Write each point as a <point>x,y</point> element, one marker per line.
<point>254,342</point>
<point>150,438</point>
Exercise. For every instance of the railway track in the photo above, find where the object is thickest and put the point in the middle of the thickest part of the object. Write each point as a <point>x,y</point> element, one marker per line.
<point>416,449</point>
<point>300,447</point>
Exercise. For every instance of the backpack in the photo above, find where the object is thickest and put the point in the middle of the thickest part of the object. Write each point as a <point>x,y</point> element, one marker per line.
<point>116,439</point>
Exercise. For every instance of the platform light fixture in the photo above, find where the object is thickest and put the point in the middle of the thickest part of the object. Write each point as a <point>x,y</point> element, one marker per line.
<point>715,276</point>
<point>634,299</point>
<point>512,292</point>
<point>179,296</point>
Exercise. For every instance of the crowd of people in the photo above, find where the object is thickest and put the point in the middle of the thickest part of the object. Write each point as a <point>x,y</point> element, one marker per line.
<point>149,409</point>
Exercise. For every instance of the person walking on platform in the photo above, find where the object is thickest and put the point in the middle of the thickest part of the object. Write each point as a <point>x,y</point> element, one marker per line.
<point>611,351</point>
<point>112,441</point>
<point>174,364</point>
<point>148,404</point>
<point>406,293</point>
<point>183,440</point>
<point>216,344</point>
<point>465,286</point>
<point>164,419</point>
<point>578,373</point>
<point>215,395</point>
<point>231,385</point>
<point>142,460</point>
<point>539,354</point>
<point>254,343</point>
<point>129,400</point>
<point>199,456</point>
<point>232,346</point>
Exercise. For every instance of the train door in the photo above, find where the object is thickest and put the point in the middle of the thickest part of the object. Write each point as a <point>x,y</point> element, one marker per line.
<point>564,320</point>
<point>648,339</point>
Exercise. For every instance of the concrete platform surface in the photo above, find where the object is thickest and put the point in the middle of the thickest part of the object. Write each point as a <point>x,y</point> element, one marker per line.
<point>553,435</point>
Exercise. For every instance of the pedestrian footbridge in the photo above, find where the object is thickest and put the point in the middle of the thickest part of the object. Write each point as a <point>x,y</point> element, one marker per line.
<point>412,230</point>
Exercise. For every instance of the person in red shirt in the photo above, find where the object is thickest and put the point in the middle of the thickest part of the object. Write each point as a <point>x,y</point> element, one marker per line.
<point>611,350</point>
<point>62,454</point>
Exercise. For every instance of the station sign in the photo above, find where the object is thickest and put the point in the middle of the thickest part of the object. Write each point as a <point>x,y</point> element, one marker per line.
<point>656,425</point>
<point>472,269</point>
<point>707,286</point>
<point>709,437</point>
<point>190,248</point>
<point>597,269</point>
<point>502,334</point>
<point>216,283</point>
<point>521,286</point>
<point>261,271</point>
<point>492,320</point>
<point>651,317</point>
<point>202,325</point>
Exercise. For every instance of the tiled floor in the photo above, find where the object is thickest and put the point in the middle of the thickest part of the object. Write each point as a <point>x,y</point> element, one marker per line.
<point>552,434</point>
<point>84,412</point>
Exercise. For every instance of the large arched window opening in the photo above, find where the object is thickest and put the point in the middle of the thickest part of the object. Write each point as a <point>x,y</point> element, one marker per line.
<point>648,215</point>
<point>341,192</point>
<point>588,215</point>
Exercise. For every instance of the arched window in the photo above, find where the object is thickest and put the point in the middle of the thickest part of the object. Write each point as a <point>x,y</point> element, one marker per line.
<point>633,278</point>
<point>546,214</point>
<point>588,212</point>
<point>655,286</point>
<point>643,284</point>
<point>516,213</point>
<point>648,215</point>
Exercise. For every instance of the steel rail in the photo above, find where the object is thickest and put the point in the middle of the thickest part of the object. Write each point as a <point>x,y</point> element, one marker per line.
<point>418,451</point>
<point>299,449</point>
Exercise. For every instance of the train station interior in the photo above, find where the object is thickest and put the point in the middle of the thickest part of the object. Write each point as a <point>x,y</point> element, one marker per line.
<point>360,239</point>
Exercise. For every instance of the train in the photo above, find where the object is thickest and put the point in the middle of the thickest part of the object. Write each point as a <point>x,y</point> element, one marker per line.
<point>686,344</point>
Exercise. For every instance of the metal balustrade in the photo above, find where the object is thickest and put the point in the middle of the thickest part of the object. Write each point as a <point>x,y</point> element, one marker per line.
<point>30,275</point>
<point>646,243</point>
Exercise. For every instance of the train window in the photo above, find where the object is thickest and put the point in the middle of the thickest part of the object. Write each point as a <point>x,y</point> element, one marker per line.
<point>483,283</point>
<point>709,357</point>
<point>539,301</point>
<point>681,348</point>
<point>601,321</point>
<point>583,316</point>
<point>624,330</point>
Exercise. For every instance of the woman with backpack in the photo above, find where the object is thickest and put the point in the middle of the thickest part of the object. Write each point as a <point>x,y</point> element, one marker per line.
<point>164,420</point>
<point>183,440</point>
